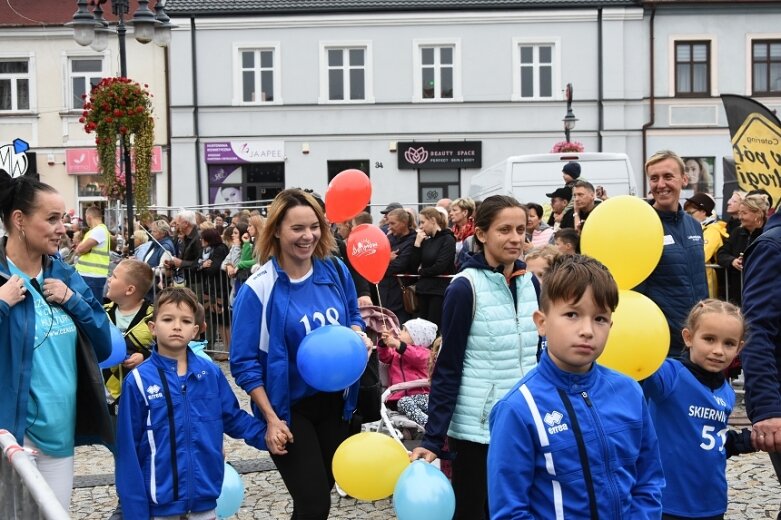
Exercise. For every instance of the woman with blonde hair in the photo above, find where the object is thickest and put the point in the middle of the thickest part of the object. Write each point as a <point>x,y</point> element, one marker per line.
<point>753,216</point>
<point>299,287</point>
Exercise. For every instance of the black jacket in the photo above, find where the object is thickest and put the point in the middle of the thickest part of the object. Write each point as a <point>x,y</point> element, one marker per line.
<point>568,219</point>
<point>737,243</point>
<point>390,290</point>
<point>434,257</point>
<point>190,250</point>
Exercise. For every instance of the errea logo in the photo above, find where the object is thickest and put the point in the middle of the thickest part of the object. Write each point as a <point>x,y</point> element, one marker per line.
<point>553,420</point>
<point>720,401</point>
<point>153,392</point>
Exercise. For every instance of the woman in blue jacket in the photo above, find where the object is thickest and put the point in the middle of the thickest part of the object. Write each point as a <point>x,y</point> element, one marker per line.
<point>296,290</point>
<point>52,334</point>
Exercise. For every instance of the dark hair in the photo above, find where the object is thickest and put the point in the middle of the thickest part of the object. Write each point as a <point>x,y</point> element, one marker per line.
<point>19,194</point>
<point>491,207</point>
<point>176,296</point>
<point>211,236</point>
<point>570,275</point>
<point>536,207</point>
<point>569,236</point>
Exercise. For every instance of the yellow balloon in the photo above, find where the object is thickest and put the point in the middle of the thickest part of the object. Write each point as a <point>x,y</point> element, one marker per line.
<point>639,339</point>
<point>367,465</point>
<point>626,235</point>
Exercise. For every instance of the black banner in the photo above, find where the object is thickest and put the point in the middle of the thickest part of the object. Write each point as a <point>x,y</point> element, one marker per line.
<point>756,147</point>
<point>439,154</point>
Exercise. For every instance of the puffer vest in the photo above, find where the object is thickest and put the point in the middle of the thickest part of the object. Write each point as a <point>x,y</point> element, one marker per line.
<point>501,348</point>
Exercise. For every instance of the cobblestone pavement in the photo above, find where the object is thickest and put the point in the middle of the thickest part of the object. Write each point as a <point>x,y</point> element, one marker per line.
<point>754,491</point>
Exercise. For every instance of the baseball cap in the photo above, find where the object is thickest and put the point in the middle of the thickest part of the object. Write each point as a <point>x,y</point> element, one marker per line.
<point>561,193</point>
<point>391,207</point>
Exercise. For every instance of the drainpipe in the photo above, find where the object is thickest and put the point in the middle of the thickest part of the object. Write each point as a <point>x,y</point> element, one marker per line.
<point>196,115</point>
<point>169,162</point>
<point>600,88</point>
<point>651,98</point>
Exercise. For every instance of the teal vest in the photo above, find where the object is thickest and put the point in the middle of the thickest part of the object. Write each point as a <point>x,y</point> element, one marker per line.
<point>501,348</point>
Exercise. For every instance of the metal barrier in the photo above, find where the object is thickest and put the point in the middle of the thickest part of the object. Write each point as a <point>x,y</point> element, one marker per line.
<point>24,495</point>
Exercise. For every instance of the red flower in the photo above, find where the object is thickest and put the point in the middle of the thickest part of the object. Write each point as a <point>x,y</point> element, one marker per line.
<point>109,120</point>
<point>122,130</point>
<point>81,120</point>
<point>117,112</point>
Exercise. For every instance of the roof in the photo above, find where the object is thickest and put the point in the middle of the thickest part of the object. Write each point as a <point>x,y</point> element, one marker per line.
<point>276,7</point>
<point>37,13</point>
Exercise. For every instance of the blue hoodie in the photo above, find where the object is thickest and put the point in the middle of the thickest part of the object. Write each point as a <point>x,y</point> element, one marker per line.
<point>163,474</point>
<point>761,356</point>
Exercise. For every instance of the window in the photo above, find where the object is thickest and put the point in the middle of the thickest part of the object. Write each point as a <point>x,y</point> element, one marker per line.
<point>766,67</point>
<point>436,70</point>
<point>692,68</point>
<point>85,73</point>
<point>536,71</point>
<point>346,72</point>
<point>257,75</point>
<point>14,84</point>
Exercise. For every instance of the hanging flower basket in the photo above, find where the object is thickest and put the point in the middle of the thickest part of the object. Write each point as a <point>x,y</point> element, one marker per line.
<point>568,146</point>
<point>121,109</point>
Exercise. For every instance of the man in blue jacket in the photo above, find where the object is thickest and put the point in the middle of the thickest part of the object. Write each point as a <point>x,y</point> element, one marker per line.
<point>761,355</point>
<point>678,281</point>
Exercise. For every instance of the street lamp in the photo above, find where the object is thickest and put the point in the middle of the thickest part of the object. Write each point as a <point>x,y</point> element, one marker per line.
<point>90,28</point>
<point>570,119</point>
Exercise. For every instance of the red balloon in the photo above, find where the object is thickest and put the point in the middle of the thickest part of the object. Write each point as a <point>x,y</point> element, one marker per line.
<point>369,251</point>
<point>347,195</point>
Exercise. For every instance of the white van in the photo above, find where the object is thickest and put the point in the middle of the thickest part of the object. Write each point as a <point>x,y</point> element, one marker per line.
<point>529,177</point>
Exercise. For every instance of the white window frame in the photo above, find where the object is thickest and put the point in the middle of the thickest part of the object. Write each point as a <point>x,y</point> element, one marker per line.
<point>276,70</point>
<point>672,40</point>
<point>556,92</point>
<point>368,70</point>
<point>30,77</point>
<point>417,73</point>
<point>70,56</point>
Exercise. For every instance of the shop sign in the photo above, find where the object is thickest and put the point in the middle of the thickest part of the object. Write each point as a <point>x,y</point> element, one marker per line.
<point>440,154</point>
<point>84,161</point>
<point>248,151</point>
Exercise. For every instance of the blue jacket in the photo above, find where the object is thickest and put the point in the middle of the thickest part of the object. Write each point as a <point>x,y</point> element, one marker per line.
<point>157,251</point>
<point>259,353</point>
<point>17,330</point>
<point>160,474</point>
<point>761,356</point>
<point>457,320</point>
<point>678,282</point>
<point>552,421</point>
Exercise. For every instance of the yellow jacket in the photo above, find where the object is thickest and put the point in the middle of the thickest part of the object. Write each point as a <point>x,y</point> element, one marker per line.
<point>714,234</point>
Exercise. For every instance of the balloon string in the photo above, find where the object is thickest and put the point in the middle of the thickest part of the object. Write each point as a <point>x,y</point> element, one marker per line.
<point>379,301</point>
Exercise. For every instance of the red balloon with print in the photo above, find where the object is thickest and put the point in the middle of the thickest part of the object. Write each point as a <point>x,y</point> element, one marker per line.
<point>369,251</point>
<point>347,195</point>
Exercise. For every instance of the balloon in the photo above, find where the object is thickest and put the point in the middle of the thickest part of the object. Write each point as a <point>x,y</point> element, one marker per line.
<point>639,339</point>
<point>423,493</point>
<point>626,235</point>
<point>331,358</point>
<point>231,495</point>
<point>369,251</point>
<point>118,348</point>
<point>367,465</point>
<point>347,195</point>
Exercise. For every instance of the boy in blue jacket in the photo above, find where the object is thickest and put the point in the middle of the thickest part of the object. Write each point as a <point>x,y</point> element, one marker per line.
<point>574,439</point>
<point>174,410</point>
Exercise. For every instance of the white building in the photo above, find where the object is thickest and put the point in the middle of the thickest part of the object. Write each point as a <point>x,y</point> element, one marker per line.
<point>307,89</point>
<point>43,74</point>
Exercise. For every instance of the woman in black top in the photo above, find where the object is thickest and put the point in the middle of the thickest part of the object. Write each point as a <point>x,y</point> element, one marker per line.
<point>432,256</point>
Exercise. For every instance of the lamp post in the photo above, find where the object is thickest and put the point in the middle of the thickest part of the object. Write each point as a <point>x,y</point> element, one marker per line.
<point>569,119</point>
<point>90,28</point>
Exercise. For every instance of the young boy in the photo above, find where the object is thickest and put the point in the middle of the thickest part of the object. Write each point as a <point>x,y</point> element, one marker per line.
<point>127,309</point>
<point>175,408</point>
<point>574,439</point>
<point>567,241</point>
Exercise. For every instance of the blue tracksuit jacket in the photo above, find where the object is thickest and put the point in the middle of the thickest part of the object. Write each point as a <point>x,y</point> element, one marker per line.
<point>563,443</point>
<point>163,474</point>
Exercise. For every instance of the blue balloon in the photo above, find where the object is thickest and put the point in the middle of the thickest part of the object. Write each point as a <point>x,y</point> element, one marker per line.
<point>118,348</point>
<point>232,494</point>
<point>331,358</point>
<point>423,492</point>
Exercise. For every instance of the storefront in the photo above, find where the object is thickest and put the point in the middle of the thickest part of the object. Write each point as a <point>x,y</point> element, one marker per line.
<point>242,172</point>
<point>82,164</point>
<point>439,166</point>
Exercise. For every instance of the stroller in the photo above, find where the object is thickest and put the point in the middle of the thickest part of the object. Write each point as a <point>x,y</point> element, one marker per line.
<point>393,422</point>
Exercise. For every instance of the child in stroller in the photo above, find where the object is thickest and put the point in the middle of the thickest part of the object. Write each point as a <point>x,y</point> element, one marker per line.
<point>408,356</point>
